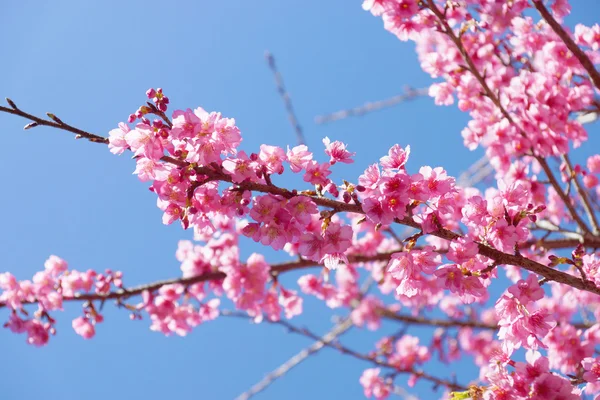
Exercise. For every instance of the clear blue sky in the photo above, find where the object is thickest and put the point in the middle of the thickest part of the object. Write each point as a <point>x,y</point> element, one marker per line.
<point>90,63</point>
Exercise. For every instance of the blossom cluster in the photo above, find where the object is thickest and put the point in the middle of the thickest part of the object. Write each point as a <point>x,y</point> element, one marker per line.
<point>49,289</point>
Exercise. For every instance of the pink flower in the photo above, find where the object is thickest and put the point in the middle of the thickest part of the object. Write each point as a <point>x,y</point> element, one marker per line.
<point>442,93</point>
<point>376,212</point>
<point>593,164</point>
<point>462,250</point>
<point>408,353</point>
<point>143,143</point>
<point>84,328</point>
<point>55,265</point>
<point>240,168</point>
<point>38,333</point>
<point>367,313</point>
<point>116,140</point>
<point>337,152</point>
<point>317,173</point>
<point>299,157</point>
<point>311,246</point>
<point>209,311</point>
<point>527,290</point>
<point>590,181</point>
<point>272,157</point>
<point>396,158</point>
<point>374,385</point>
<point>149,170</point>
<point>592,369</point>
<point>291,302</point>
<point>370,178</point>
<point>301,209</point>
<point>377,7</point>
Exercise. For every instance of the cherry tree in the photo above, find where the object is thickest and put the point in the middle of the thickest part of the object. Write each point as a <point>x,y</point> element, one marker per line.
<point>523,78</point>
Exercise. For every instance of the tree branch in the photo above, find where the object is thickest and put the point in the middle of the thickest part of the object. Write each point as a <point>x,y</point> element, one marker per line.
<point>340,206</point>
<point>330,336</point>
<point>287,101</point>
<point>276,269</point>
<point>568,41</point>
<point>583,195</point>
<point>345,350</point>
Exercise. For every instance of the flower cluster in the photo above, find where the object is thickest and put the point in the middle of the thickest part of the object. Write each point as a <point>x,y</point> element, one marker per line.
<point>49,289</point>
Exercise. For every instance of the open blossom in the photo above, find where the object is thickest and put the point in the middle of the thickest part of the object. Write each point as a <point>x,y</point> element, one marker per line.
<point>396,158</point>
<point>367,313</point>
<point>528,290</point>
<point>84,328</point>
<point>374,386</point>
<point>299,157</point>
<point>592,369</point>
<point>272,158</point>
<point>116,139</point>
<point>408,353</point>
<point>337,151</point>
<point>291,303</point>
<point>316,173</point>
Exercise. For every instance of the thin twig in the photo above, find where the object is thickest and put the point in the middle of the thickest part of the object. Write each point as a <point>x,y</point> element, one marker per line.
<point>409,94</point>
<point>582,194</point>
<point>284,368</point>
<point>339,329</point>
<point>54,123</point>
<point>285,96</point>
<point>347,351</point>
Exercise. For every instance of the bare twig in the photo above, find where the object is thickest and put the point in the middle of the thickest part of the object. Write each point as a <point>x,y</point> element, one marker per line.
<point>284,368</point>
<point>347,351</point>
<point>54,122</point>
<point>285,96</point>
<point>582,194</point>
<point>409,94</point>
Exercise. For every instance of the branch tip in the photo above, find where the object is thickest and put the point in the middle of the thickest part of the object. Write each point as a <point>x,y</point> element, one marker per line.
<point>30,125</point>
<point>11,103</point>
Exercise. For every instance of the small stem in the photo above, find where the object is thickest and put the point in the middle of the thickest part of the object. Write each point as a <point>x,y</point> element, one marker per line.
<point>583,195</point>
<point>347,351</point>
<point>40,121</point>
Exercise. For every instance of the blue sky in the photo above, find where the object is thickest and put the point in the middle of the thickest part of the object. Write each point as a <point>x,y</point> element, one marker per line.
<point>90,63</point>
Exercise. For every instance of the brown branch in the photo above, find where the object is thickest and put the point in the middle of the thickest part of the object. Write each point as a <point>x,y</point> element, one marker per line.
<point>276,269</point>
<point>338,206</point>
<point>496,101</point>
<point>284,368</point>
<point>287,101</point>
<point>563,196</point>
<point>583,195</point>
<point>345,350</point>
<point>440,323</point>
<point>568,41</point>
<point>339,329</point>
<point>451,323</point>
<point>517,260</point>
<point>54,123</point>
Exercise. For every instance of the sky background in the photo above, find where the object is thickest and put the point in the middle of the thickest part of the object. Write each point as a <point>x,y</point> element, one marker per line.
<point>90,63</point>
